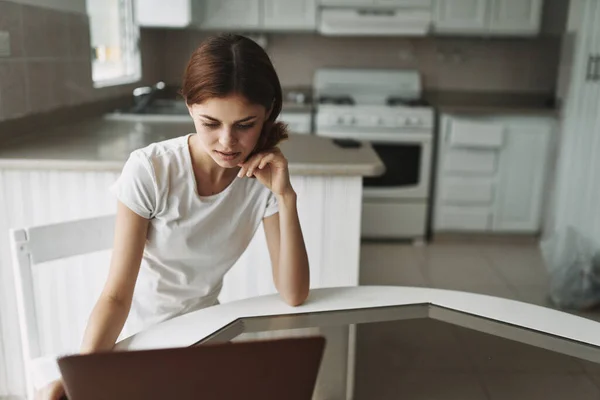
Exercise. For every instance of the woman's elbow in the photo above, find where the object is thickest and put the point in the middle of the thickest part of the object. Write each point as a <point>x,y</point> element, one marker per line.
<point>295,299</point>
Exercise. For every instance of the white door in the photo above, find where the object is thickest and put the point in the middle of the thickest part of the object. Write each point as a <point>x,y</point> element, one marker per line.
<point>521,178</point>
<point>293,15</point>
<point>229,14</point>
<point>461,16</point>
<point>515,17</point>
<point>578,187</point>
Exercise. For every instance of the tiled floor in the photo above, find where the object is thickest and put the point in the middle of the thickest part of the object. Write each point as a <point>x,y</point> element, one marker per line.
<point>427,359</point>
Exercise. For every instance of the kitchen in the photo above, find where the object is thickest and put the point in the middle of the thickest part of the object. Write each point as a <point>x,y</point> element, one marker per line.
<point>431,138</point>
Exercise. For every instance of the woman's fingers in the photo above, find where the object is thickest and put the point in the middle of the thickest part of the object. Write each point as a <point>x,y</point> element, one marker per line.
<point>259,161</point>
<point>254,163</point>
<point>265,160</point>
<point>245,167</point>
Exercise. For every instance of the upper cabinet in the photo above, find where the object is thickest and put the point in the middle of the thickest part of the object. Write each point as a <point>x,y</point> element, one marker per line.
<point>296,15</point>
<point>229,14</point>
<point>515,17</point>
<point>257,15</point>
<point>160,13</point>
<point>461,16</point>
<point>450,17</point>
<point>488,17</point>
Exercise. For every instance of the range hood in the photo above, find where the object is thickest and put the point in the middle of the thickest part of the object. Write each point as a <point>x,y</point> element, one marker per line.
<point>375,18</point>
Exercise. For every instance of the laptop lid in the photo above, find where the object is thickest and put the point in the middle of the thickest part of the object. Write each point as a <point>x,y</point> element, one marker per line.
<point>269,369</point>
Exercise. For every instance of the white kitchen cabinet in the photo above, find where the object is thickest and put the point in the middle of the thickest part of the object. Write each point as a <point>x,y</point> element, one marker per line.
<point>521,178</point>
<point>160,13</point>
<point>494,183</point>
<point>292,15</point>
<point>488,17</point>
<point>512,17</point>
<point>461,16</point>
<point>229,14</point>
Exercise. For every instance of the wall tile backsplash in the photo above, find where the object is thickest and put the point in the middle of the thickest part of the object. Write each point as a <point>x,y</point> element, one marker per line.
<point>50,62</point>
<point>447,64</point>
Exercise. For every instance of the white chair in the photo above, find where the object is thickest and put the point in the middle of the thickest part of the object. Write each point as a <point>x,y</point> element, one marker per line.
<point>37,245</point>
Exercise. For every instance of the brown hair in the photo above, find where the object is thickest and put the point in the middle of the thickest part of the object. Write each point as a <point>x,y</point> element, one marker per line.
<point>228,64</point>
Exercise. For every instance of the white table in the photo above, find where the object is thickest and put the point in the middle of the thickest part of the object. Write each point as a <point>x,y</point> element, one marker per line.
<point>538,326</point>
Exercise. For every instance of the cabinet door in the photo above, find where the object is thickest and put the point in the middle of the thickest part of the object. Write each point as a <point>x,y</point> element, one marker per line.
<point>515,17</point>
<point>461,16</point>
<point>229,14</point>
<point>159,13</point>
<point>290,15</point>
<point>521,178</point>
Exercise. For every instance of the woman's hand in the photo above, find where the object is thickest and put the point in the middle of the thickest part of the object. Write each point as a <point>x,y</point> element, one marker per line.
<point>53,391</point>
<point>271,169</point>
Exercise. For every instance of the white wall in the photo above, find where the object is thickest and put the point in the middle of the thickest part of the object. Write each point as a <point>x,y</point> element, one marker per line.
<point>63,5</point>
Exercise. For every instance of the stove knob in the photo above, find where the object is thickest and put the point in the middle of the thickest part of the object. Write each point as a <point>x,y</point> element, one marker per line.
<point>349,119</point>
<point>414,121</point>
<point>401,121</point>
<point>375,120</point>
<point>339,120</point>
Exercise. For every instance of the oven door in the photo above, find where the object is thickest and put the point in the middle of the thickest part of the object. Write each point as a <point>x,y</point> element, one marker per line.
<point>407,160</point>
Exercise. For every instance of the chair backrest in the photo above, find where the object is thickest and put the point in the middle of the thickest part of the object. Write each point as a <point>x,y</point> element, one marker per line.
<point>39,244</point>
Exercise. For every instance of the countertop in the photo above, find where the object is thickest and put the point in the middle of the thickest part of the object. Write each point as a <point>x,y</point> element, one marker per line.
<point>485,103</point>
<point>104,145</point>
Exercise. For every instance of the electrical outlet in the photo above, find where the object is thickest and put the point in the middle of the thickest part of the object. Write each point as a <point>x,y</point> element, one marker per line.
<point>4,44</point>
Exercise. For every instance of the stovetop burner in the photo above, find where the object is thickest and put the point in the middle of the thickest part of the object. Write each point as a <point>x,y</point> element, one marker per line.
<point>337,100</point>
<point>398,101</point>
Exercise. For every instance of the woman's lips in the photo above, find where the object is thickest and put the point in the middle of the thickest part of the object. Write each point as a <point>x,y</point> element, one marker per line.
<point>227,156</point>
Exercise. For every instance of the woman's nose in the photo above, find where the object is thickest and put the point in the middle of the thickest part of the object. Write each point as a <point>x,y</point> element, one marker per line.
<point>227,136</point>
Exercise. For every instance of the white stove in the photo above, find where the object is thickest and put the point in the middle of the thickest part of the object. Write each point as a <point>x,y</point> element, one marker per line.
<point>383,107</point>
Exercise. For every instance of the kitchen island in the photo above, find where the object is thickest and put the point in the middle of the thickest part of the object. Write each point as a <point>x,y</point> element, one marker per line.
<point>64,173</point>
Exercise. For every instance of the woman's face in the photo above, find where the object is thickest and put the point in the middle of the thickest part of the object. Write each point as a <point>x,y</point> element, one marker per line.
<point>228,128</point>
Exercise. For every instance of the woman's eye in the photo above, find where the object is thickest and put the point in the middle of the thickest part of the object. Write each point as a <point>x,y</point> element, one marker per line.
<point>210,125</point>
<point>245,126</point>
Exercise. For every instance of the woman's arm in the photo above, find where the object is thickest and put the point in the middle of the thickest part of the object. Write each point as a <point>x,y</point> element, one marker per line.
<point>112,308</point>
<point>284,236</point>
<point>287,251</point>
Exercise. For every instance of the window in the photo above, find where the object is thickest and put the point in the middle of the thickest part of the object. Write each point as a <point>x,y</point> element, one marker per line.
<point>114,35</point>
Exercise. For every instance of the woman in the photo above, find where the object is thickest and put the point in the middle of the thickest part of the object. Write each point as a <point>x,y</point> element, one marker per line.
<point>188,208</point>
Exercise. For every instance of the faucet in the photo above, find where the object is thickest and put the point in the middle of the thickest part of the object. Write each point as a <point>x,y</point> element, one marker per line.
<point>143,96</point>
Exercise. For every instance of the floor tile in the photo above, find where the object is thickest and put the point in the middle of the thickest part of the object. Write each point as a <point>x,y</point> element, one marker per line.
<point>460,268</point>
<point>518,264</point>
<point>391,265</point>
<point>497,290</point>
<point>534,294</point>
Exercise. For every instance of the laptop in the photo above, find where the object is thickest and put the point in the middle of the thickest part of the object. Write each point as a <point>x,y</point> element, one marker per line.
<point>265,369</point>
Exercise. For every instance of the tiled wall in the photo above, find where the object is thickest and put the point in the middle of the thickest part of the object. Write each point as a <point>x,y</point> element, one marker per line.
<point>447,64</point>
<point>50,62</point>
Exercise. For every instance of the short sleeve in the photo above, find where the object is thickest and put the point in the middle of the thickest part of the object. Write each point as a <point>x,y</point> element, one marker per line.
<point>136,186</point>
<point>272,207</point>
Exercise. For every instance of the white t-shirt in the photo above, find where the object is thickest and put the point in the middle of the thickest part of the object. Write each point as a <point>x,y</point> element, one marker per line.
<point>192,240</point>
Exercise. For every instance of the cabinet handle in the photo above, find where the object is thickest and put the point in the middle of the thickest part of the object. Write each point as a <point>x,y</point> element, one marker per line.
<point>590,68</point>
